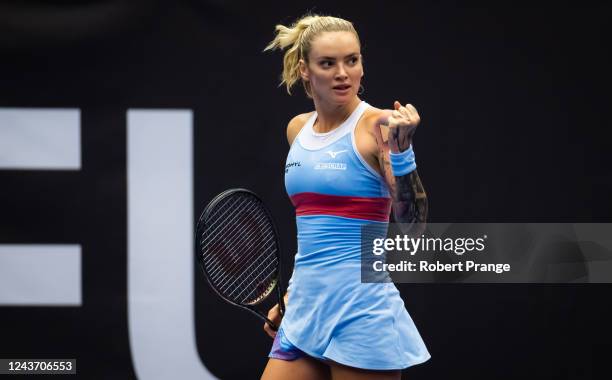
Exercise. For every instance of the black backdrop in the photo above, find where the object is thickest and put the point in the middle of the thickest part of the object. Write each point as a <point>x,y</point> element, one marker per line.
<point>514,102</point>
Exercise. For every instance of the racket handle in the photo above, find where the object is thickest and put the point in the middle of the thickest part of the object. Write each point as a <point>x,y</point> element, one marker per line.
<point>281,306</point>
<point>272,325</point>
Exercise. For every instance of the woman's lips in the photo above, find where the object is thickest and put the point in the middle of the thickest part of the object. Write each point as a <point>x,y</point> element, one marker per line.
<point>342,89</point>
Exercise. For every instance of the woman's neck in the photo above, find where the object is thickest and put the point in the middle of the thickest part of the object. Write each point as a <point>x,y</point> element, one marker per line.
<point>330,116</point>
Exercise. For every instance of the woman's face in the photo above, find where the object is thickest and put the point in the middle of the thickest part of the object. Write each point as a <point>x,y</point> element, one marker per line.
<point>334,67</point>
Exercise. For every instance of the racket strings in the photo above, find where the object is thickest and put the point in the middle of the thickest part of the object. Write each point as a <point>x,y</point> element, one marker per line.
<point>238,249</point>
<point>259,290</point>
<point>235,233</point>
<point>214,217</point>
<point>244,260</point>
<point>257,273</point>
<point>245,239</point>
<point>245,263</point>
<point>250,273</point>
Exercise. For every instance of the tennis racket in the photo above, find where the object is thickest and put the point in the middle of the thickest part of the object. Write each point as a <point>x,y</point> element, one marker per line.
<point>238,249</point>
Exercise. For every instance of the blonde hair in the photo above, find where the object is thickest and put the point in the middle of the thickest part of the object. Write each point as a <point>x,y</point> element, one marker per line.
<point>298,38</point>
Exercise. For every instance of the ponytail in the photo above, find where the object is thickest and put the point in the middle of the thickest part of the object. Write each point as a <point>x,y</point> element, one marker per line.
<point>298,39</point>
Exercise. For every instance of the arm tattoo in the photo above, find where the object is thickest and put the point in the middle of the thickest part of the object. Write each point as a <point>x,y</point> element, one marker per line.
<point>410,201</point>
<point>408,194</point>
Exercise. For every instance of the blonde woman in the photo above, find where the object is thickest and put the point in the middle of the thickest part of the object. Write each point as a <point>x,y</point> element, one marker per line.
<point>348,165</point>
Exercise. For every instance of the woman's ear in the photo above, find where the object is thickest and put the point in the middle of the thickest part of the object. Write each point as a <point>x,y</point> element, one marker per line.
<point>362,69</point>
<point>303,70</point>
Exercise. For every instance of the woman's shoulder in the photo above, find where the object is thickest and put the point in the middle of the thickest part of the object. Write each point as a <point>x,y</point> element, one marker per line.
<point>370,121</point>
<point>295,125</point>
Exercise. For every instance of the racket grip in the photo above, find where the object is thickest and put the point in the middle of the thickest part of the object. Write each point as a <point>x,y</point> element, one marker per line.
<point>272,325</point>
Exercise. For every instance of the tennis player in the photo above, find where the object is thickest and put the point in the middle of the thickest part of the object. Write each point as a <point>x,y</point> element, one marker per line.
<point>349,164</point>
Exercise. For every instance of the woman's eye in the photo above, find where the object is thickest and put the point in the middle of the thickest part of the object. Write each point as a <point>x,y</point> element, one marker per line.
<point>326,63</point>
<point>354,60</point>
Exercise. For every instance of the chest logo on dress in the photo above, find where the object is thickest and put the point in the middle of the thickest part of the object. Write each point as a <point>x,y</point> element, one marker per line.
<point>333,154</point>
<point>330,166</point>
<point>292,164</point>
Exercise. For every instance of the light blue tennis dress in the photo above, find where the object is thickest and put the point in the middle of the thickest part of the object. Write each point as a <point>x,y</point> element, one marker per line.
<point>331,314</point>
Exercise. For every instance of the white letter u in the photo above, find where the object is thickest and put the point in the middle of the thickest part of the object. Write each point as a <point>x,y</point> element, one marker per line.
<point>160,245</point>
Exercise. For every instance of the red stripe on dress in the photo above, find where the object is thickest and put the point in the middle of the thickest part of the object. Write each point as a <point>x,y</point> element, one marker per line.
<point>350,207</point>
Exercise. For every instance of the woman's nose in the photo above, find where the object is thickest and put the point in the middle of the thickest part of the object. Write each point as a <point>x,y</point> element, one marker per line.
<point>341,73</point>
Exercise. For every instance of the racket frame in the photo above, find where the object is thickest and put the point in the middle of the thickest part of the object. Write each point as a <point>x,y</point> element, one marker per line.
<point>278,281</point>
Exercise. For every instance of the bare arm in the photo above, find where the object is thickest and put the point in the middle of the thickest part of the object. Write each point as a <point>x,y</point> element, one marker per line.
<point>407,191</point>
<point>293,128</point>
